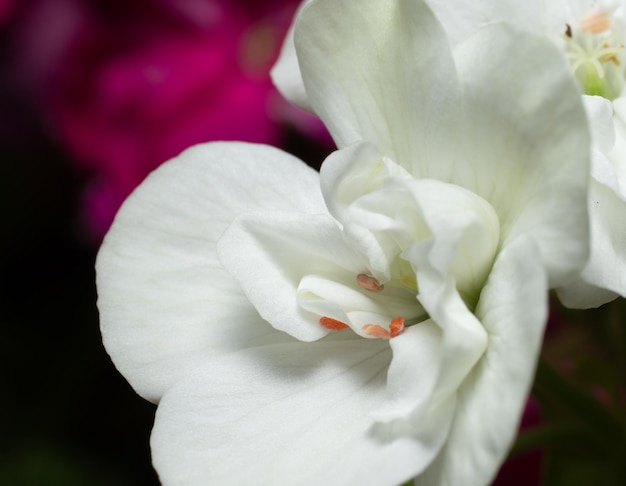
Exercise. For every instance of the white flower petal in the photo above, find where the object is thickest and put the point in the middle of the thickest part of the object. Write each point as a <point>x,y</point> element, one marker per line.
<point>463,336</point>
<point>165,301</point>
<point>604,277</point>
<point>384,76</point>
<point>350,173</point>
<point>384,211</point>
<point>513,311</point>
<point>296,414</point>
<point>528,150</point>
<point>465,235</point>
<point>413,373</point>
<point>602,280</point>
<point>461,18</point>
<point>286,72</point>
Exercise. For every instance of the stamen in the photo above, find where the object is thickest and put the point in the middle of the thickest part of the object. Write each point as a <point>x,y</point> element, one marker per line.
<point>609,53</point>
<point>595,22</point>
<point>375,331</point>
<point>568,31</point>
<point>368,282</point>
<point>333,324</point>
<point>589,54</point>
<point>396,327</point>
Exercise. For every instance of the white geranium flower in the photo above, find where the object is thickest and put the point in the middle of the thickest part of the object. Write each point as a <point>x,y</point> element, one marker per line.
<point>378,321</point>
<point>592,35</point>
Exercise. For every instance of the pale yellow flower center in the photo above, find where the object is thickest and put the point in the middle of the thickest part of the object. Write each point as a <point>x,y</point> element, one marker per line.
<point>594,50</point>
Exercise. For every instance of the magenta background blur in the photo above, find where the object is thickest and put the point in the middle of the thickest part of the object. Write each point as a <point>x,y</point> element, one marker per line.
<point>123,86</point>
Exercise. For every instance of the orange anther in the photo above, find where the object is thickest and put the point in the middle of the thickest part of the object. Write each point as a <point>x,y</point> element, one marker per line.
<point>375,331</point>
<point>595,22</point>
<point>396,327</point>
<point>368,283</point>
<point>333,324</point>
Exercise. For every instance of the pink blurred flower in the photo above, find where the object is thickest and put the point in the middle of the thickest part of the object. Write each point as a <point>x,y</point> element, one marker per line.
<point>6,6</point>
<point>140,83</point>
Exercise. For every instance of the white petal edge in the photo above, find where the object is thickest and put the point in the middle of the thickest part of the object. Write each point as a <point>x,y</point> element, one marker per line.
<point>165,301</point>
<point>286,73</point>
<point>604,277</point>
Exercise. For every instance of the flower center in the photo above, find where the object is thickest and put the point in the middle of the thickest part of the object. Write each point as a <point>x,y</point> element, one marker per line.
<point>595,52</point>
<point>396,325</point>
<point>406,232</point>
<point>361,303</point>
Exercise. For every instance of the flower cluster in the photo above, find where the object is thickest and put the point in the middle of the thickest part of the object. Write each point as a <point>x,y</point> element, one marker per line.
<point>380,320</point>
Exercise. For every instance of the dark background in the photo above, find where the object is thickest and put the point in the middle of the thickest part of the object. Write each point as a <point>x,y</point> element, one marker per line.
<point>66,416</point>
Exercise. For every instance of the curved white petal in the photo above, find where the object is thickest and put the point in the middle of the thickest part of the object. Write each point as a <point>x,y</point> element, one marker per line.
<point>413,373</point>
<point>286,72</point>
<point>513,311</point>
<point>528,149</point>
<point>297,414</point>
<point>165,300</point>
<point>384,210</point>
<point>463,336</point>
<point>381,72</point>
<point>465,237</point>
<point>356,171</point>
<point>461,18</point>
<point>602,280</point>
<point>270,253</point>
<point>604,277</point>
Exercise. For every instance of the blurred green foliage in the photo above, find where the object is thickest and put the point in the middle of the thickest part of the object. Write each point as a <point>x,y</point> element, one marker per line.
<point>581,390</point>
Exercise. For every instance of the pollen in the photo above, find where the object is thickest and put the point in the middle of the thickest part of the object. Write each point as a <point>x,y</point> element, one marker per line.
<point>396,327</point>
<point>595,22</point>
<point>368,282</point>
<point>376,331</point>
<point>333,324</point>
<point>611,55</point>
